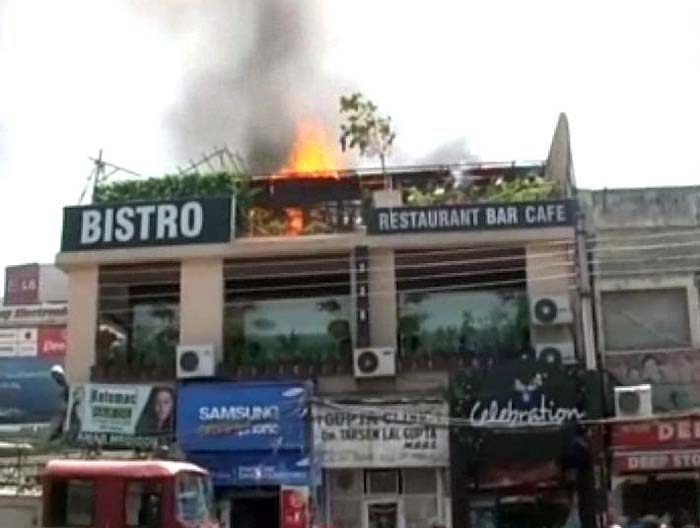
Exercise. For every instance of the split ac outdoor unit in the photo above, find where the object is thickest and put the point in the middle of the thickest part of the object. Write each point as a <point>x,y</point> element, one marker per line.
<point>556,353</point>
<point>551,310</point>
<point>374,362</point>
<point>633,401</point>
<point>195,361</point>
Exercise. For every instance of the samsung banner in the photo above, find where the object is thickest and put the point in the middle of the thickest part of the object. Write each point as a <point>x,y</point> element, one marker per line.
<point>121,415</point>
<point>161,223</point>
<point>381,435</point>
<point>471,217</point>
<point>241,417</point>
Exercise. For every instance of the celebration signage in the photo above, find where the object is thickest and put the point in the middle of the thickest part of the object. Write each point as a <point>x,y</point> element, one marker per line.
<point>471,217</point>
<point>381,435</point>
<point>157,223</point>
<point>120,415</point>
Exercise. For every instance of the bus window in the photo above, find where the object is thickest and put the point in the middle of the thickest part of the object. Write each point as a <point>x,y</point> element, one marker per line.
<point>194,498</point>
<point>72,503</point>
<point>142,503</point>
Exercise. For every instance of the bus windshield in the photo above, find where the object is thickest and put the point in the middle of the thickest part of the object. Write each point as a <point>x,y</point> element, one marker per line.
<point>194,498</point>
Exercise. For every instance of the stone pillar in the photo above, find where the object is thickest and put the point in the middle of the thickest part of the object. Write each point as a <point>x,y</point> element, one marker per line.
<point>202,303</point>
<point>83,291</point>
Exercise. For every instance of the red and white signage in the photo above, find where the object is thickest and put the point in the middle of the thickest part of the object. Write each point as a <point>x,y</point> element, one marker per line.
<point>52,341</point>
<point>294,510</point>
<point>675,434</point>
<point>653,461</point>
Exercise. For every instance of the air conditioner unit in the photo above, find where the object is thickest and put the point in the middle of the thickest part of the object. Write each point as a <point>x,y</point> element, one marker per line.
<point>551,310</point>
<point>374,362</point>
<point>633,401</point>
<point>195,361</point>
<point>556,353</point>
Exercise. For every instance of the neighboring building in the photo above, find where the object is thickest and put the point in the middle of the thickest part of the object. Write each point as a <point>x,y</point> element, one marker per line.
<point>316,364</point>
<point>646,269</point>
<point>32,339</point>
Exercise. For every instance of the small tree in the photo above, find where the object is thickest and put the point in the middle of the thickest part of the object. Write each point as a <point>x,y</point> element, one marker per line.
<point>365,129</point>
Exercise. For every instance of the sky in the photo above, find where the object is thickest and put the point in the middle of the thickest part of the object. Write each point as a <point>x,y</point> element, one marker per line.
<point>158,83</point>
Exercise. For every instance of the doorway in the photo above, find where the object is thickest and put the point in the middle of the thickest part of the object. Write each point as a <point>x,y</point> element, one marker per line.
<point>253,511</point>
<point>383,514</point>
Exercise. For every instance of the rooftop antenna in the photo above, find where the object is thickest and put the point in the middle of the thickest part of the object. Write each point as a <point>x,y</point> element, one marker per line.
<point>101,173</point>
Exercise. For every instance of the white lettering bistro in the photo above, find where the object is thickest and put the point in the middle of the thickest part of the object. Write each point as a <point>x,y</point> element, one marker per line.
<point>141,222</point>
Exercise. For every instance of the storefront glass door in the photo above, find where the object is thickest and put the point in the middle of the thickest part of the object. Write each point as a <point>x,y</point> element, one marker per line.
<point>383,514</point>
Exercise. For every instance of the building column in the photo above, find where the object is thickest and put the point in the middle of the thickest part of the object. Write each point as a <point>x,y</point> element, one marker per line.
<point>202,303</point>
<point>382,298</point>
<point>83,288</point>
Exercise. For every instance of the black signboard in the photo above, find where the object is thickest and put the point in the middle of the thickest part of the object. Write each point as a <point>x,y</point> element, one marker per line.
<point>141,224</point>
<point>471,217</point>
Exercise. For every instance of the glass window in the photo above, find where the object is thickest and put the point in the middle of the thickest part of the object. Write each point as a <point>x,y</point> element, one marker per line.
<point>646,319</point>
<point>143,504</point>
<point>138,315</point>
<point>381,481</point>
<point>419,481</point>
<point>295,309</point>
<point>194,498</point>
<point>346,482</point>
<point>72,503</point>
<point>492,323</point>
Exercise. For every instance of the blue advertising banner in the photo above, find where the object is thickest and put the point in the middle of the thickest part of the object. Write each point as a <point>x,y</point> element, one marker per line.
<point>28,393</point>
<point>256,469</point>
<point>236,417</point>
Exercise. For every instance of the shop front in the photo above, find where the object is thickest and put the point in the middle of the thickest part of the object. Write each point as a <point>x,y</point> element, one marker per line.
<point>385,463</point>
<point>253,438</point>
<point>523,458</point>
<point>656,470</point>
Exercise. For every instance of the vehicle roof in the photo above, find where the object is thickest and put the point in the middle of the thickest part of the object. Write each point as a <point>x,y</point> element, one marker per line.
<point>75,468</point>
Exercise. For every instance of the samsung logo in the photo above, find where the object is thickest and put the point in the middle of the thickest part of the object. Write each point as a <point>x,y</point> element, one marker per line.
<point>250,413</point>
<point>128,223</point>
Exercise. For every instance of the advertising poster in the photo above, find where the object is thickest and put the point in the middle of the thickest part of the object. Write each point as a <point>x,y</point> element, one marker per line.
<point>121,415</point>
<point>28,393</point>
<point>675,376</point>
<point>22,284</point>
<point>294,508</point>
<point>381,435</point>
<point>241,417</point>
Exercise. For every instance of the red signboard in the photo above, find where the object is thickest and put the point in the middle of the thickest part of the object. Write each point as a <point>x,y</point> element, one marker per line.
<point>51,341</point>
<point>295,507</point>
<point>653,461</point>
<point>22,284</point>
<point>657,434</point>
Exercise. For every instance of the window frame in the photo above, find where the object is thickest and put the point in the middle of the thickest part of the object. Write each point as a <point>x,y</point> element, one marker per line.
<point>64,483</point>
<point>161,509</point>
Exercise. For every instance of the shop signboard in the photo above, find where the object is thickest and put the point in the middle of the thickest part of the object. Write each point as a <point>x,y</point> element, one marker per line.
<point>120,415</point>
<point>381,435</point>
<point>654,461</point>
<point>22,284</point>
<point>471,217</point>
<point>236,417</point>
<point>142,224</point>
<point>28,393</point>
<point>35,315</point>
<point>676,433</point>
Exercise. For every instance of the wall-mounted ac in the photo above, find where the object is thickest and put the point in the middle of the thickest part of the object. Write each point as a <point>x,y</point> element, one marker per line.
<point>195,361</point>
<point>556,352</point>
<point>633,401</point>
<point>551,310</point>
<point>374,362</point>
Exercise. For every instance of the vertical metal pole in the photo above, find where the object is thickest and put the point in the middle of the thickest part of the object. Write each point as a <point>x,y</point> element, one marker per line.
<point>585,294</point>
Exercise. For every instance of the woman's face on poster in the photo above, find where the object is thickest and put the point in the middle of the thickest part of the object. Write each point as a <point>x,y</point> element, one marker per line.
<point>163,405</point>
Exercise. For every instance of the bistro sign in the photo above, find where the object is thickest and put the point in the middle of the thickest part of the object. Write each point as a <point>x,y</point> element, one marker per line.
<point>473,217</point>
<point>157,223</point>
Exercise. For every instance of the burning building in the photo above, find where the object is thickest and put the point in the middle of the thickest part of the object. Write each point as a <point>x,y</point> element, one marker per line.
<point>323,331</point>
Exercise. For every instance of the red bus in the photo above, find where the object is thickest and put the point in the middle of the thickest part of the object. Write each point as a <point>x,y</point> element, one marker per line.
<point>127,494</point>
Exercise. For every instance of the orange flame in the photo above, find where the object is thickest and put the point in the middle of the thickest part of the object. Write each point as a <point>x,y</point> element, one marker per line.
<point>312,154</point>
